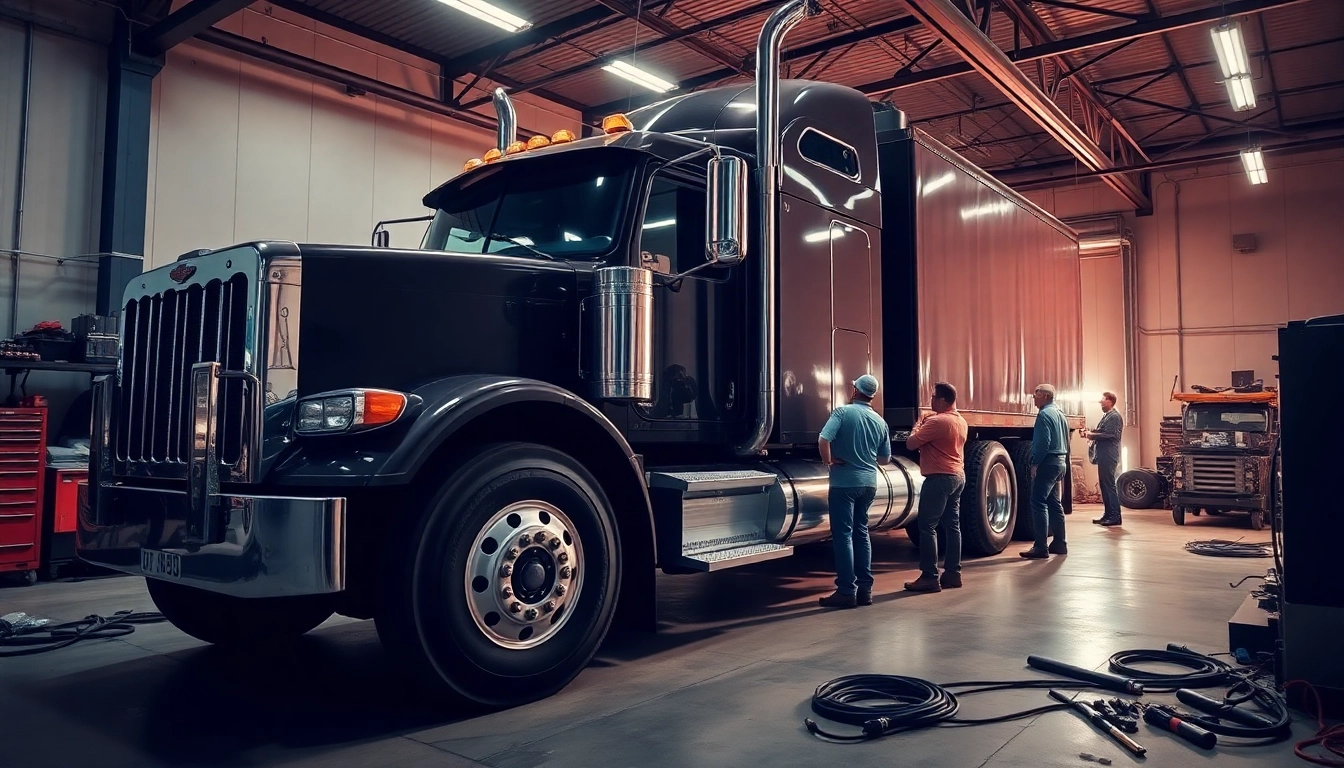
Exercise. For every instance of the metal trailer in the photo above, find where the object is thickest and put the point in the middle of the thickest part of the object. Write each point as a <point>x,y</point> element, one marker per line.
<point>610,355</point>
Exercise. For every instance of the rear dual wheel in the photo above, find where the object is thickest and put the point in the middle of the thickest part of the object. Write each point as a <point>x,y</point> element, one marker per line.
<point>501,589</point>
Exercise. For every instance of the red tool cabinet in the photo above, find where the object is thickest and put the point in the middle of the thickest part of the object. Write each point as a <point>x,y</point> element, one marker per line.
<point>23,446</point>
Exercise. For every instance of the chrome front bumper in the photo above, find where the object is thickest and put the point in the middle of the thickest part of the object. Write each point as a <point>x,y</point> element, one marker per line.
<point>267,546</point>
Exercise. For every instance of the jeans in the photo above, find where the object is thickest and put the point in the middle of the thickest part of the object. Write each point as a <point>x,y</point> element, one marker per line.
<point>1045,498</point>
<point>849,537</point>
<point>940,507</point>
<point>1110,496</point>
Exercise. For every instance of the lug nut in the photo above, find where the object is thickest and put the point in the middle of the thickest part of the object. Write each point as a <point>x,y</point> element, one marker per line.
<point>548,606</point>
<point>554,544</point>
<point>515,607</point>
<point>565,571</point>
<point>531,614</point>
<point>512,553</point>
<point>507,591</point>
<point>524,540</point>
<point>563,557</point>
<point>506,570</point>
<point>540,537</point>
<point>560,590</point>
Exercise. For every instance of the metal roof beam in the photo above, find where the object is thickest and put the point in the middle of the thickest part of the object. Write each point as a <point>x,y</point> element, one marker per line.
<point>668,29</point>
<point>960,34</point>
<point>1091,40</point>
<point>185,23</point>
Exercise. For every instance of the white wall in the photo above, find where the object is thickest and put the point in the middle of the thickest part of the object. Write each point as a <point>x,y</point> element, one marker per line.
<point>1219,310</point>
<point>242,150</point>
<point>62,187</point>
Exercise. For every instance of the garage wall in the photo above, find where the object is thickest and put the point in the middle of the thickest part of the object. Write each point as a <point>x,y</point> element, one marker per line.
<point>242,150</point>
<point>1205,309</point>
<point>63,178</point>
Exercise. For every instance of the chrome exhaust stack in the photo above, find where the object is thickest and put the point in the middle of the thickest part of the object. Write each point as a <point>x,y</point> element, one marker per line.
<point>769,171</point>
<point>507,130</point>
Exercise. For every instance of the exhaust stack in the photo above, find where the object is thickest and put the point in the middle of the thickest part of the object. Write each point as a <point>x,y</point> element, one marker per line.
<point>768,173</point>
<point>507,131</point>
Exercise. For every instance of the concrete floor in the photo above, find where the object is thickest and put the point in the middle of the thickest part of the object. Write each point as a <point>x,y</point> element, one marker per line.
<point>726,682</point>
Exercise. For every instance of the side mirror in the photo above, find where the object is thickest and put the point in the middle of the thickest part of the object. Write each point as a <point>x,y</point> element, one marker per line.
<point>726,220</point>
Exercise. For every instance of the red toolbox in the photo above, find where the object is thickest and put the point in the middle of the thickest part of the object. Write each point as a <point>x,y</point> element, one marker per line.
<point>62,509</point>
<point>23,447</point>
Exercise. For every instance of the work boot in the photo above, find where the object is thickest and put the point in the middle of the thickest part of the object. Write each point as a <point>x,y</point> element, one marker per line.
<point>950,580</point>
<point>865,597</point>
<point>1106,521</point>
<point>837,600</point>
<point>925,583</point>
<point>1058,548</point>
<point>1034,554</point>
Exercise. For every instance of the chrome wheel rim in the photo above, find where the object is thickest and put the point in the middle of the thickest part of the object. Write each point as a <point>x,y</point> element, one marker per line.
<point>1135,488</point>
<point>998,498</point>
<point>522,575</point>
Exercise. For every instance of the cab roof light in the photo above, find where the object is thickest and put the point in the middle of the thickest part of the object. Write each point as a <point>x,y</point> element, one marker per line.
<point>493,154</point>
<point>537,142</point>
<point>617,123</point>
<point>474,162</point>
<point>562,136</point>
<point>515,147</point>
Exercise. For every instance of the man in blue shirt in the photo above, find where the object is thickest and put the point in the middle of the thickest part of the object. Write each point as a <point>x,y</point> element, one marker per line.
<point>1049,460</point>
<point>853,442</point>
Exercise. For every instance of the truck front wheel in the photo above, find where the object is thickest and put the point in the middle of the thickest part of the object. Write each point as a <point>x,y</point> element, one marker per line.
<point>507,581</point>
<point>236,621</point>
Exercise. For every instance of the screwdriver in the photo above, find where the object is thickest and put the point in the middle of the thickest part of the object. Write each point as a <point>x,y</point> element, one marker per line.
<point>1166,719</point>
<point>1095,717</point>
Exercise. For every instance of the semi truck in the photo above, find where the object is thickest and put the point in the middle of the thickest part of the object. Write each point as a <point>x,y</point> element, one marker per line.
<point>608,356</point>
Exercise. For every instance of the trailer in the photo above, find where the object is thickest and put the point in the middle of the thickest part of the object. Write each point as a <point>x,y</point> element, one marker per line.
<point>610,355</point>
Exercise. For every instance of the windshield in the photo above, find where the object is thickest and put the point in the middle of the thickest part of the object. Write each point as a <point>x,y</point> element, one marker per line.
<point>1227,418</point>
<point>562,206</point>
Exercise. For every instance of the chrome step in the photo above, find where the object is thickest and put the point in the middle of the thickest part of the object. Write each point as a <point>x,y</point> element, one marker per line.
<point>713,481</point>
<point>731,558</point>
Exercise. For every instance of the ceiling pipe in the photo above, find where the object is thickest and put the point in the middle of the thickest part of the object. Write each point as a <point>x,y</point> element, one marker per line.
<point>959,33</point>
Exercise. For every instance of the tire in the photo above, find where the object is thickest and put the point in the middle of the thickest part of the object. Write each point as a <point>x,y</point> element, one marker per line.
<point>1178,514</point>
<point>988,503</point>
<point>1139,488</point>
<point>1020,452</point>
<point>235,621</point>
<point>481,619</point>
<point>1257,520</point>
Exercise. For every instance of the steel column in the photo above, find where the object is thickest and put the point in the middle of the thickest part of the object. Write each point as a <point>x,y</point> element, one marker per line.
<point>130,87</point>
<point>961,34</point>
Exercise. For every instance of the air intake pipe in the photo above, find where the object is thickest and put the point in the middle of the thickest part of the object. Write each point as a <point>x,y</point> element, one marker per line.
<point>507,131</point>
<point>768,175</point>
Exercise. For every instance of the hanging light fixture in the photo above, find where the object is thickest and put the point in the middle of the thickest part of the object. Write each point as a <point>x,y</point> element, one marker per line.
<point>489,13</point>
<point>636,75</point>
<point>1253,160</point>
<point>1230,46</point>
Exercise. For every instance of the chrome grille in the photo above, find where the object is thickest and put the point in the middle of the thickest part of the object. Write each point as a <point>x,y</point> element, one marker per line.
<point>164,335</point>
<point>1217,474</point>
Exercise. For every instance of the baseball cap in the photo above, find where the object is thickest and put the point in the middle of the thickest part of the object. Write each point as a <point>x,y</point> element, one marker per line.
<point>866,384</point>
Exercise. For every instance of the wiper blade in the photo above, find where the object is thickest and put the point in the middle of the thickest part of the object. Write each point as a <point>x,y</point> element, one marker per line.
<point>521,244</point>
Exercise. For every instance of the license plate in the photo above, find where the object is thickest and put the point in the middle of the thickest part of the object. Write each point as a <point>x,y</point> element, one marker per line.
<point>164,565</point>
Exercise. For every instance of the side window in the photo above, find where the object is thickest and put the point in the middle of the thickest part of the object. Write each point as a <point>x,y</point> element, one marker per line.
<point>830,153</point>
<point>672,237</point>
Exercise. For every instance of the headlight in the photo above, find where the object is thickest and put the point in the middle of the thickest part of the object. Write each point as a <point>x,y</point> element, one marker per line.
<point>350,411</point>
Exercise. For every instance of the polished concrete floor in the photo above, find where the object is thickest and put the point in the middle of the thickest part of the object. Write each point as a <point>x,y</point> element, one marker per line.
<point>726,682</point>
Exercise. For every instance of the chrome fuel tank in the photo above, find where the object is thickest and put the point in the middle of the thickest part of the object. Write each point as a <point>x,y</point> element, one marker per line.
<point>800,509</point>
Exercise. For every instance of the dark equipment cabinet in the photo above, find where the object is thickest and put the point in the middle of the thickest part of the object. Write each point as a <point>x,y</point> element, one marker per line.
<point>1311,375</point>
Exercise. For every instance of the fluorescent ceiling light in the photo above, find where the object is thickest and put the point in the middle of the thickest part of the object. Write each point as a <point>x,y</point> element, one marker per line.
<point>639,77</point>
<point>1231,49</point>
<point>1253,160</point>
<point>660,223</point>
<point>1241,92</point>
<point>489,13</point>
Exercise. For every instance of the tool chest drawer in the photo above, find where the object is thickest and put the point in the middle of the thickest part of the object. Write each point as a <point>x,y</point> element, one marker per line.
<point>22,461</point>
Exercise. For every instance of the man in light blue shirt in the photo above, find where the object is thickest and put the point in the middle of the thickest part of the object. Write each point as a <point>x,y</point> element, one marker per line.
<point>853,442</point>
<point>1049,461</point>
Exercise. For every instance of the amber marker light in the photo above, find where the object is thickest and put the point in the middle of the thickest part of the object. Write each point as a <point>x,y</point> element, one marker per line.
<point>616,124</point>
<point>562,136</point>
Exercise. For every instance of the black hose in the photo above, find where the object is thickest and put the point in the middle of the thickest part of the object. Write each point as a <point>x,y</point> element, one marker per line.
<point>1206,671</point>
<point>55,636</point>
<point>1224,548</point>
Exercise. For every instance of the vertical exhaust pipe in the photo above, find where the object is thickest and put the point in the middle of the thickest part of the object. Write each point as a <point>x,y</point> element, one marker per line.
<point>507,131</point>
<point>768,173</point>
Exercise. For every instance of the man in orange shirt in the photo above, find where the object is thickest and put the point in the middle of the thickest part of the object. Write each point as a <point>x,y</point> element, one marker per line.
<point>939,438</point>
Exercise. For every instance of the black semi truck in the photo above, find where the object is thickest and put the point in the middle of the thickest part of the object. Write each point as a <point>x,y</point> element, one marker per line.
<point>610,355</point>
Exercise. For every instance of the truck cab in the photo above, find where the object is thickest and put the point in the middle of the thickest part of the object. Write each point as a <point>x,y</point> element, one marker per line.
<point>1224,462</point>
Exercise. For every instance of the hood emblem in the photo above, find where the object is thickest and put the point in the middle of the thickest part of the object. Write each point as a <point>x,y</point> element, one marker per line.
<point>181,272</point>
